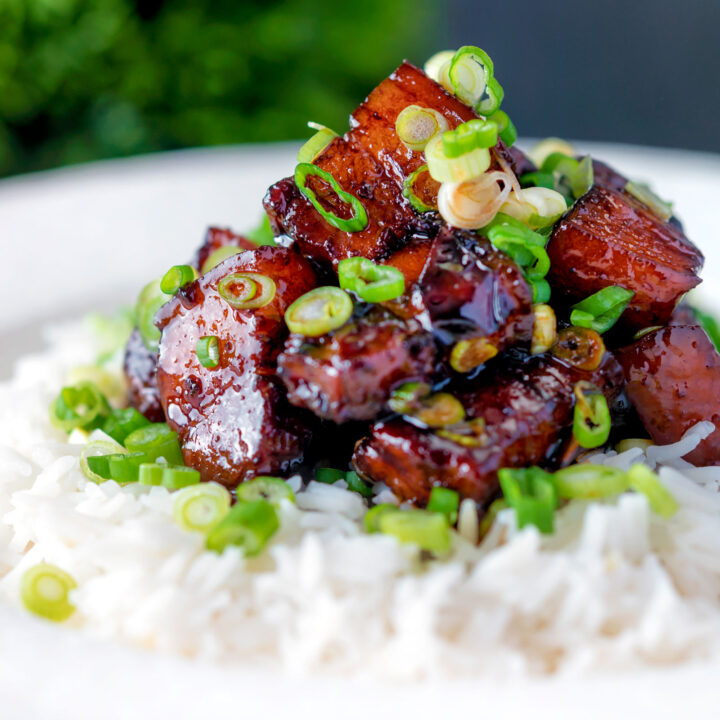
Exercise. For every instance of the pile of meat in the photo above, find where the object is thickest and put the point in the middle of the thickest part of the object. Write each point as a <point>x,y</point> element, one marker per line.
<point>279,403</point>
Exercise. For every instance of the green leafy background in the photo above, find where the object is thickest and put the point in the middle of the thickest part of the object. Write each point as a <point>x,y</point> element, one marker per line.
<point>88,79</point>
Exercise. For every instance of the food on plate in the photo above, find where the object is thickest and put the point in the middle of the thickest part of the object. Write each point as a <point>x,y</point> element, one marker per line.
<point>443,372</point>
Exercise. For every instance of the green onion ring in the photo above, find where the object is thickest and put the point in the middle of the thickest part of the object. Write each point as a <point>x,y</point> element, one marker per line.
<point>207,350</point>
<point>470,72</point>
<point>200,507</point>
<point>220,255</point>
<point>409,193</point>
<point>590,481</point>
<point>601,310</point>
<point>248,525</point>
<point>467,137</point>
<point>591,418</point>
<point>45,590</point>
<point>446,501</point>
<point>265,487</point>
<point>372,283</point>
<point>247,290</point>
<point>80,406</point>
<point>319,311</point>
<point>531,493</point>
<point>316,144</point>
<point>356,223</point>
<point>176,277</point>
<point>156,440</point>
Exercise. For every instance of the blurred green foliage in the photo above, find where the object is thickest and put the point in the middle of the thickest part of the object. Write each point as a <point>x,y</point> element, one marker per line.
<point>85,79</point>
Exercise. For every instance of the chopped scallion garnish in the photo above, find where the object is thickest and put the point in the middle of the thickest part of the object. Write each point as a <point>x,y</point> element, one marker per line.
<point>371,282</point>
<point>201,507</point>
<point>247,290</point>
<point>643,193</point>
<point>79,406</point>
<point>591,420</point>
<point>428,530</point>
<point>265,487</point>
<point>601,310</point>
<point>359,219</point>
<point>445,501</point>
<point>319,311</point>
<point>248,525</point>
<point>122,422</point>
<point>316,144</point>
<point>532,494</point>
<point>156,440</point>
<point>45,591</point>
<point>207,350</point>
<point>415,126</point>
<point>176,277</point>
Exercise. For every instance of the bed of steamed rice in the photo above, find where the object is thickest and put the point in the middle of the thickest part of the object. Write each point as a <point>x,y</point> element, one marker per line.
<point>614,587</point>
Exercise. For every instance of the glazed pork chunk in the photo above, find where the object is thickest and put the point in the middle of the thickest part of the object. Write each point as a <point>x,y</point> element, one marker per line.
<point>471,299</point>
<point>673,381</point>
<point>515,416</point>
<point>370,163</point>
<point>233,419</point>
<point>610,238</point>
<point>140,366</point>
<point>349,373</point>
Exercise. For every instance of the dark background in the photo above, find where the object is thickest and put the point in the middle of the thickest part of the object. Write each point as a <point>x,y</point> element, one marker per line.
<point>88,79</point>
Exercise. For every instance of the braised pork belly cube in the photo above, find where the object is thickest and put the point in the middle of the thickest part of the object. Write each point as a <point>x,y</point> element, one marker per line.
<point>349,373</point>
<point>609,238</point>
<point>673,381</point>
<point>370,163</point>
<point>476,297</point>
<point>217,238</point>
<point>233,419</point>
<point>140,366</point>
<point>515,416</point>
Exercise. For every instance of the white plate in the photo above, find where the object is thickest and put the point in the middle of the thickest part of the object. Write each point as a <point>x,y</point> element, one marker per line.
<point>89,237</point>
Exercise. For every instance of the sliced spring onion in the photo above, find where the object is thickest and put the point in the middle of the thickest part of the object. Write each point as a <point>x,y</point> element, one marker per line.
<point>580,347</point>
<point>150,300</point>
<point>542,150</point>
<point>536,207</point>
<point>207,350</point>
<point>428,530</point>
<point>201,507</point>
<point>329,475</point>
<point>471,433</point>
<point>469,73</point>
<point>265,487</point>
<point>601,310</point>
<point>467,355</point>
<point>710,325</point>
<point>531,493</point>
<point>630,443</point>
<point>440,410</point>
<point>494,96</point>
<point>372,516</point>
<point>121,467</point>
<point>151,473</point>
<point>319,311</point>
<point>577,176</point>
<point>540,290</point>
<point>218,256</point>
<point>371,282</point>
<point>316,144</point>
<point>176,277</point>
<point>524,246</point>
<point>537,179</point>
<point>409,191</point>
<point>643,480</point>
<point>590,481</point>
<point>445,501</point>
<point>544,329</point>
<point>506,128</point>
<point>468,136</point>
<point>45,591</point>
<point>591,419</point>
<point>175,477</point>
<point>437,62</point>
<point>359,219</point>
<point>356,484</point>
<point>416,125</point>
<point>122,422</point>
<point>465,167</point>
<point>247,290</point>
<point>94,455</point>
<point>248,525</point>
<point>79,406</point>
<point>156,440</point>
<point>262,233</point>
<point>406,398</point>
<point>643,193</point>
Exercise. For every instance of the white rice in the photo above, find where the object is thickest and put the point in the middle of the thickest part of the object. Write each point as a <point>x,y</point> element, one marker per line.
<point>615,587</point>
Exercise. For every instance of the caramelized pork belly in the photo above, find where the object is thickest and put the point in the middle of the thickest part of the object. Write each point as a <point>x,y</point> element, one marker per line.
<point>216,238</point>
<point>673,381</point>
<point>526,406</point>
<point>371,163</point>
<point>233,420</point>
<point>609,238</point>
<point>140,365</point>
<point>349,373</point>
<point>470,290</point>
